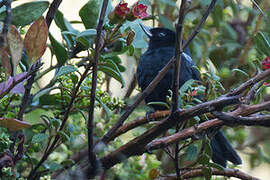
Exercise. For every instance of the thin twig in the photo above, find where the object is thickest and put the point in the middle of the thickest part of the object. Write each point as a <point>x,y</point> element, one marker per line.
<point>258,120</point>
<point>227,172</point>
<point>108,136</point>
<point>199,25</point>
<point>176,76</point>
<point>7,21</point>
<point>90,126</point>
<point>26,97</point>
<point>243,58</point>
<point>52,11</point>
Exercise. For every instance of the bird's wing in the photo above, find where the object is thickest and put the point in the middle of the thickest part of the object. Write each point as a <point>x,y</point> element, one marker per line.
<point>195,73</point>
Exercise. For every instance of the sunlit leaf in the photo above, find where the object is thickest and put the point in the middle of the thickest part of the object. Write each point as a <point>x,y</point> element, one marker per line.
<point>15,45</point>
<point>35,39</point>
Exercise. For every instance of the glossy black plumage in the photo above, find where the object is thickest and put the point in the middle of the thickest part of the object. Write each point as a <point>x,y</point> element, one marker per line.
<point>160,50</point>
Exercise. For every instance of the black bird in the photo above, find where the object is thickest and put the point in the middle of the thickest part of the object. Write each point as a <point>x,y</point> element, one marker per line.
<point>160,50</point>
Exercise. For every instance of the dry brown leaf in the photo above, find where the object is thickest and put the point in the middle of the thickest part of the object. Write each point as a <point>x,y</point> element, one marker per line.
<point>13,124</point>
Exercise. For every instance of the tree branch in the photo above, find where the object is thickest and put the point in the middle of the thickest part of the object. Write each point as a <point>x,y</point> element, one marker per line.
<point>229,120</point>
<point>90,125</point>
<point>52,11</point>
<point>227,172</point>
<point>137,146</point>
<point>7,21</point>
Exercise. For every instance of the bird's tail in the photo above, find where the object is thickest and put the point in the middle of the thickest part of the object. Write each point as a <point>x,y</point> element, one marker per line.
<point>223,151</point>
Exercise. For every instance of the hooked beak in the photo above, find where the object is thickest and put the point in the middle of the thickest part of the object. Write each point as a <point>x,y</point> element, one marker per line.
<point>146,30</point>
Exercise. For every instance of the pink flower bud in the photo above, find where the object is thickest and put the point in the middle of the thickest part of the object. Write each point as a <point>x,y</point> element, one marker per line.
<point>138,11</point>
<point>266,63</point>
<point>118,15</point>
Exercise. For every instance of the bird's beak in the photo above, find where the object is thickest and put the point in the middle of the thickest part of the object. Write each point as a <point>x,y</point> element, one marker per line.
<point>146,30</point>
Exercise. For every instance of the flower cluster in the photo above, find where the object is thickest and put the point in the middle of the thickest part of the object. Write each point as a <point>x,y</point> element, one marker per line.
<point>266,63</point>
<point>122,12</point>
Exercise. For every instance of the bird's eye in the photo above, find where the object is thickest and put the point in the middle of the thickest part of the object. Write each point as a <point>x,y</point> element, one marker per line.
<point>161,34</point>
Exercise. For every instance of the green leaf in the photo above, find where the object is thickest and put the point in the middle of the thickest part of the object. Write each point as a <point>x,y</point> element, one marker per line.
<point>55,122</point>
<point>59,50</point>
<point>60,20</point>
<point>186,86</point>
<point>112,70</point>
<point>207,148</point>
<point>159,103</point>
<point>192,152</point>
<point>216,166</point>
<point>204,159</point>
<point>207,172</point>
<point>89,13</point>
<point>65,70</point>
<point>63,135</point>
<point>240,71</point>
<point>166,22</point>
<point>86,37</point>
<point>40,137</point>
<point>262,42</point>
<point>48,99</point>
<point>64,25</point>
<point>107,110</point>
<point>112,54</point>
<point>87,33</point>
<point>26,13</point>
<point>212,69</point>
<point>69,33</point>
<point>41,93</point>
<point>55,166</point>
<point>68,162</point>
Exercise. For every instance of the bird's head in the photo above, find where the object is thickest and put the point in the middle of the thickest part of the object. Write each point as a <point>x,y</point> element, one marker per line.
<point>160,37</point>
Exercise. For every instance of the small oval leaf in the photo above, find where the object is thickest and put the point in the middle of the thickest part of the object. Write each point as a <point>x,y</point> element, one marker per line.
<point>35,39</point>
<point>15,45</point>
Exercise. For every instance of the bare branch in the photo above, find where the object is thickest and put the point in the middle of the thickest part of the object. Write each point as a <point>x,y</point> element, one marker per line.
<point>90,125</point>
<point>7,21</point>
<point>52,11</point>
<point>251,82</point>
<point>227,172</point>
